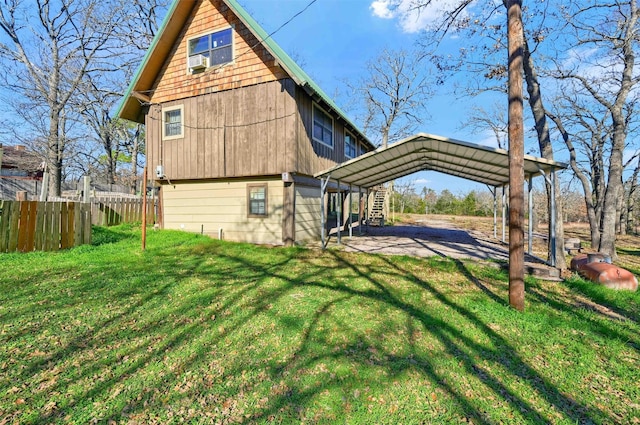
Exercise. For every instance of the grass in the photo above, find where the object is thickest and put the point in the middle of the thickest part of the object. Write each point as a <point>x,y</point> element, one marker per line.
<point>201,331</point>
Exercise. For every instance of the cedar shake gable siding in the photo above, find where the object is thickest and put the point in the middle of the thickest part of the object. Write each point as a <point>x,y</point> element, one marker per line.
<point>251,65</point>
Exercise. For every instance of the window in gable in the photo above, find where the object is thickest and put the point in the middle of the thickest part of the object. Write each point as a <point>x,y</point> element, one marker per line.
<point>172,123</point>
<point>217,47</point>
<point>349,145</point>
<point>322,127</point>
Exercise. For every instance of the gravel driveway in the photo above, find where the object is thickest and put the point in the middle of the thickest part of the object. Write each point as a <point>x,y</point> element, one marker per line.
<point>425,239</point>
<point>429,238</point>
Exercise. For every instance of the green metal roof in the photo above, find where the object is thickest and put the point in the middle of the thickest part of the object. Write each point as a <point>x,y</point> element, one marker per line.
<point>128,109</point>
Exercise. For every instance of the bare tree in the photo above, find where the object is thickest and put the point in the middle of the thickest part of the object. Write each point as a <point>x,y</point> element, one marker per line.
<point>133,142</point>
<point>100,93</point>
<point>606,37</point>
<point>493,120</point>
<point>394,90</point>
<point>589,172</point>
<point>141,24</point>
<point>629,202</point>
<point>50,49</point>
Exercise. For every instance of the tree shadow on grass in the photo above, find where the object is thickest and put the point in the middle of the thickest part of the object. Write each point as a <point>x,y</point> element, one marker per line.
<point>154,337</point>
<point>457,344</point>
<point>299,325</point>
<point>629,251</point>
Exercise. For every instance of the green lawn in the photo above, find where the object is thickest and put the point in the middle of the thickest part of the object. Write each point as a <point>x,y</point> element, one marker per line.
<point>200,331</point>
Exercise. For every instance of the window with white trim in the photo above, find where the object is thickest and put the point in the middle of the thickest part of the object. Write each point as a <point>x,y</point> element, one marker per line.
<point>349,145</point>
<point>216,47</point>
<point>361,149</point>
<point>322,127</point>
<point>257,200</point>
<point>172,122</point>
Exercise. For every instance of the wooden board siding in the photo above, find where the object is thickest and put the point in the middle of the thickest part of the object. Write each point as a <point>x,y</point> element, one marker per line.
<point>251,65</point>
<point>307,213</point>
<point>210,206</point>
<point>234,133</point>
<point>314,156</point>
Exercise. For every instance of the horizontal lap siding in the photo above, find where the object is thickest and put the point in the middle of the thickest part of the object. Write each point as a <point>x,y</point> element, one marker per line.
<point>209,206</point>
<point>307,213</point>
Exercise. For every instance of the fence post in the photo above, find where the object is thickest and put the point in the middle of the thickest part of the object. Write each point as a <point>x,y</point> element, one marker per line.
<point>45,187</point>
<point>86,189</point>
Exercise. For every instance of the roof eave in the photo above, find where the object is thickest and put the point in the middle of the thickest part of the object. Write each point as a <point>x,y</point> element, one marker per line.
<point>283,60</point>
<point>130,107</point>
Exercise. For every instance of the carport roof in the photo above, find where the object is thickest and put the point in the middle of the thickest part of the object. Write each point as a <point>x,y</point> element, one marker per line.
<point>425,152</point>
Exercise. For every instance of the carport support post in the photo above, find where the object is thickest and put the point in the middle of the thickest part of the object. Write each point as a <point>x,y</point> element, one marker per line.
<point>366,209</point>
<point>504,214</point>
<point>551,181</point>
<point>323,219</point>
<point>350,212</point>
<point>339,212</point>
<point>495,211</point>
<point>360,210</point>
<point>530,251</point>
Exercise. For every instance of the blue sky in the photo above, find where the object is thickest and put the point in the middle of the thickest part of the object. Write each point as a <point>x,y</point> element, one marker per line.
<point>335,38</point>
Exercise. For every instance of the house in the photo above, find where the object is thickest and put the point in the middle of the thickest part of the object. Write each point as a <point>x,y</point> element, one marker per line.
<point>20,173</point>
<point>16,162</point>
<point>235,128</point>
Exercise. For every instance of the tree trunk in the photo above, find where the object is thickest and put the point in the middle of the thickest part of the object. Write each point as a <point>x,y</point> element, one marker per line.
<point>621,216</point>
<point>613,192</point>
<point>630,204</point>
<point>516,156</point>
<point>111,159</point>
<point>546,150</point>
<point>54,156</point>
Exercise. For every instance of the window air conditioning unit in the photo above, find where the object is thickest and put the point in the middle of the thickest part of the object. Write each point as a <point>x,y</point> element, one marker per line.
<point>197,62</point>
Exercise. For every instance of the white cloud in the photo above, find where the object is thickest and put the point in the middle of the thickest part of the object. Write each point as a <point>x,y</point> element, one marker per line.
<point>382,9</point>
<point>410,18</point>
<point>421,182</point>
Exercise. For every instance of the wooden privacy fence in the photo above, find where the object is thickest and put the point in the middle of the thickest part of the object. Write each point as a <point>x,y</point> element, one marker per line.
<point>113,211</point>
<point>27,226</point>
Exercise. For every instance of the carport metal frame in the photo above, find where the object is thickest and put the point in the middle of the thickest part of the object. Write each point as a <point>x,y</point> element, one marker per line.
<point>426,152</point>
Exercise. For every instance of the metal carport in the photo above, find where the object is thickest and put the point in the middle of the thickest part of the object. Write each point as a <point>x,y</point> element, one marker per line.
<point>426,152</point>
